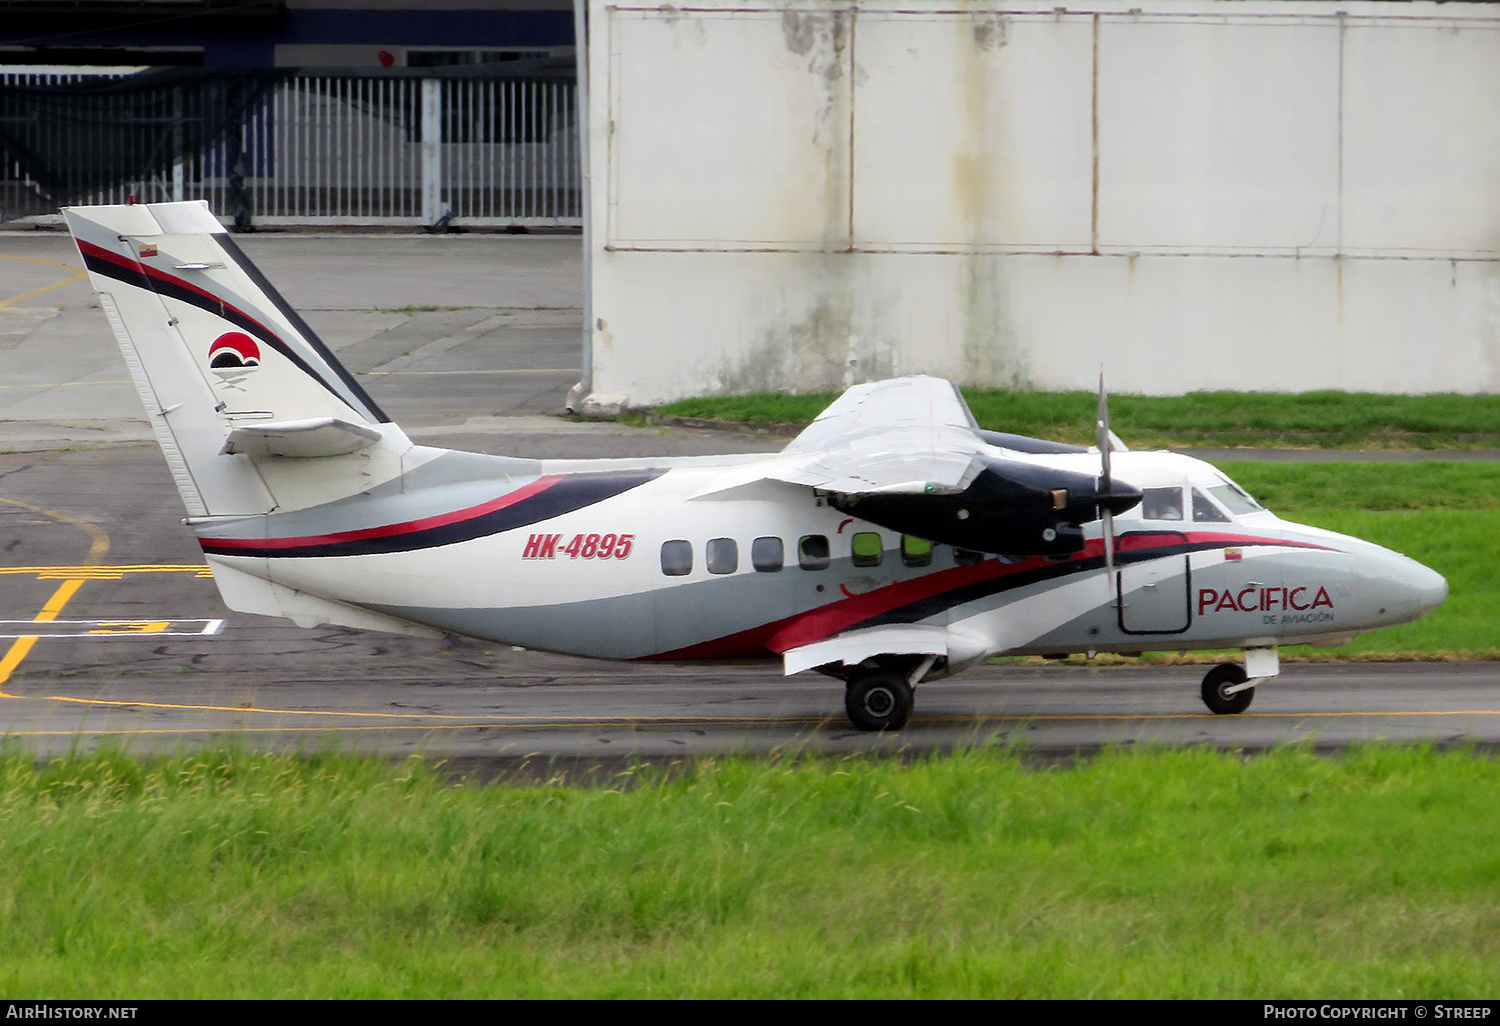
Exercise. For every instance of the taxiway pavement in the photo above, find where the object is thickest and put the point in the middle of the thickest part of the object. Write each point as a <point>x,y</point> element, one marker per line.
<point>472,341</point>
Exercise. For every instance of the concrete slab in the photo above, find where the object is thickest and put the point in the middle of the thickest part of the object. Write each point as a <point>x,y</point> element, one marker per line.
<point>441,328</point>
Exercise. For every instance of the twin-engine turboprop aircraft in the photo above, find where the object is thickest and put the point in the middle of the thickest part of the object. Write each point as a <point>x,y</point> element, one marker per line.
<point>892,542</point>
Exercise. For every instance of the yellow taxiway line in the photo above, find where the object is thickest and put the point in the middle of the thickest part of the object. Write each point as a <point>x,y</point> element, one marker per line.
<point>75,274</point>
<point>98,546</point>
<point>106,573</point>
<point>21,647</point>
<point>258,709</point>
<point>470,721</point>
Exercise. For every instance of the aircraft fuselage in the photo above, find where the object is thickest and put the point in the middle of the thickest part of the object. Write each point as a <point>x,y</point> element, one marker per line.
<point>632,562</point>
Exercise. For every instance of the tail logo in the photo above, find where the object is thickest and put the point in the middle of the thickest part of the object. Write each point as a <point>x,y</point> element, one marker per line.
<point>233,349</point>
<point>233,356</point>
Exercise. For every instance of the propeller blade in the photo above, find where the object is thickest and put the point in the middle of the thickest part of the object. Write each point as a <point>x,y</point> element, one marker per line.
<point>1106,489</point>
<point>1101,435</point>
<point>1109,556</point>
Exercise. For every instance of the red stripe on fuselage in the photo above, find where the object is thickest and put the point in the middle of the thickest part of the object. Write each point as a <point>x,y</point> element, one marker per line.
<point>825,621</point>
<point>1214,539</point>
<point>408,527</point>
<point>815,625</point>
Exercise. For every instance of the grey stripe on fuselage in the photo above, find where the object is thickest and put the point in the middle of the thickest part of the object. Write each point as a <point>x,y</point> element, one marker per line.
<point>458,467</point>
<point>452,481</point>
<point>665,619</point>
<point>1099,627</point>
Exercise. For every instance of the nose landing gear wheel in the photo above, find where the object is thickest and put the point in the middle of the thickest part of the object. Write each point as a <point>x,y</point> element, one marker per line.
<point>1226,675</point>
<point>878,701</point>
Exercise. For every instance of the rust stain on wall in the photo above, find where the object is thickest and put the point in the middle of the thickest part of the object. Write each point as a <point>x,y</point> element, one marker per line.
<point>983,187</point>
<point>817,350</point>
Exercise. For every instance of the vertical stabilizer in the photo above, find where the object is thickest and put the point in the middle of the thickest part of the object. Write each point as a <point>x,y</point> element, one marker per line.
<point>252,410</point>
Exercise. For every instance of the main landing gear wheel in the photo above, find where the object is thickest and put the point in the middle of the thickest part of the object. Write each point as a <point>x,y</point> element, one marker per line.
<point>878,701</point>
<point>1226,675</point>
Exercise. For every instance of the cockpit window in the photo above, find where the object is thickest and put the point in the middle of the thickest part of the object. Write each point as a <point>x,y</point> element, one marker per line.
<point>1206,512</point>
<point>1234,498</point>
<point>1161,503</point>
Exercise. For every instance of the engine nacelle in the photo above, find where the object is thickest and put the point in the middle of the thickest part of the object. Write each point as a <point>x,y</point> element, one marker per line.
<point>1011,507</point>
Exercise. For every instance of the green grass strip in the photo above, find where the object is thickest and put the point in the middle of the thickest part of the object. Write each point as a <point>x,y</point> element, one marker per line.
<point>1186,873</point>
<point>1348,485</point>
<point>1333,420</point>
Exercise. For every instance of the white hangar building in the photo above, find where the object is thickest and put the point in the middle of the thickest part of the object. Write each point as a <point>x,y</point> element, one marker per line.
<point>1196,194</point>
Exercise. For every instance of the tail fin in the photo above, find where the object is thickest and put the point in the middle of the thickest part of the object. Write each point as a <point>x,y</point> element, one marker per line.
<point>238,388</point>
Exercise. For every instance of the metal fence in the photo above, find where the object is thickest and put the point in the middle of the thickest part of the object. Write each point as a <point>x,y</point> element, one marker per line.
<point>364,150</point>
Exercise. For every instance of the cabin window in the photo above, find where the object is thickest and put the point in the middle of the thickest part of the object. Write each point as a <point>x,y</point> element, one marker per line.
<point>868,548</point>
<point>916,551</point>
<point>767,555</point>
<point>677,558</point>
<point>1205,512</point>
<point>967,557</point>
<point>1161,503</point>
<point>723,556</point>
<point>812,552</point>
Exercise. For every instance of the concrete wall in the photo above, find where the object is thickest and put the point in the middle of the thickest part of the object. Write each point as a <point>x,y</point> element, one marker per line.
<point>1268,194</point>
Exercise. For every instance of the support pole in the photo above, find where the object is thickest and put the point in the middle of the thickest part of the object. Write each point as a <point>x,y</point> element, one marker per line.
<point>579,392</point>
<point>432,151</point>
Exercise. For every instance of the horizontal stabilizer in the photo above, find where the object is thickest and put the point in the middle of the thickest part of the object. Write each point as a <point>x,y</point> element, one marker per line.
<point>317,436</point>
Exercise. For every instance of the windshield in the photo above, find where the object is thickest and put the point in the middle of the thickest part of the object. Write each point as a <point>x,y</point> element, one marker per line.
<point>1233,497</point>
<point>1205,511</point>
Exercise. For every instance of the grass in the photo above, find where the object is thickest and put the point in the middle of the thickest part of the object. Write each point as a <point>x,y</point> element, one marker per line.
<point>504,311</point>
<point>1181,873</point>
<point>1334,420</point>
<point>1425,485</point>
<point>412,308</point>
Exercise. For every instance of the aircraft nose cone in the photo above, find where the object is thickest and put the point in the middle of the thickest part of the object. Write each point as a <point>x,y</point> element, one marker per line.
<point>1429,588</point>
<point>1413,589</point>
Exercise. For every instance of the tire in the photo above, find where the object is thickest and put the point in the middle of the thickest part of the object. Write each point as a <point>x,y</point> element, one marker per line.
<point>878,701</point>
<point>1226,675</point>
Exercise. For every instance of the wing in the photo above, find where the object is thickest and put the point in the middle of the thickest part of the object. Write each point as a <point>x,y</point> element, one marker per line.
<point>911,436</point>
<point>906,454</point>
<point>903,436</point>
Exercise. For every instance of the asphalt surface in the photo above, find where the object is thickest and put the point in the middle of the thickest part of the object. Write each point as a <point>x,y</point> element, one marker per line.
<point>472,342</point>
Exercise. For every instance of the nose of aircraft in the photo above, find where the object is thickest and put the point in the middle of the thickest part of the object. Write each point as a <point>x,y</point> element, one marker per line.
<point>1429,587</point>
<point>1417,589</point>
